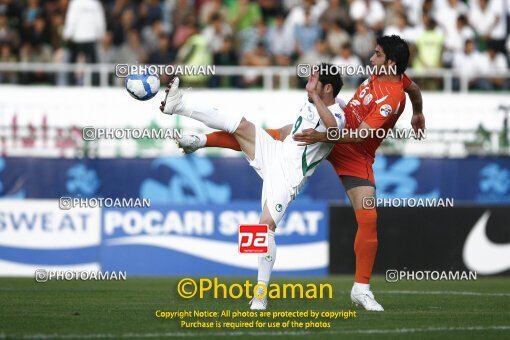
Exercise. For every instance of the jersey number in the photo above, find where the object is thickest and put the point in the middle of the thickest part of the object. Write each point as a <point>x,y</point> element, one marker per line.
<point>297,124</point>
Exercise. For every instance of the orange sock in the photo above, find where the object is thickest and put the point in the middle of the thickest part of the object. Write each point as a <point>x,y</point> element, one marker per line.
<point>365,244</point>
<point>222,139</point>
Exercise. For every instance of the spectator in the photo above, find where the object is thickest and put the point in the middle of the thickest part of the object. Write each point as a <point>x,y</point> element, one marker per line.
<point>126,22</point>
<point>306,34</point>
<point>495,63</point>
<point>318,55</point>
<point>195,51</point>
<point>106,52</point>
<point>336,13</point>
<point>297,15</point>
<point>150,34</point>
<point>270,9</point>
<point>456,39</point>
<point>182,11</point>
<point>489,21</point>
<point>250,37</point>
<point>32,11</point>
<point>258,57</point>
<point>281,45</point>
<point>462,33</point>
<point>216,32</point>
<point>346,58</point>
<point>55,30</point>
<point>370,11</point>
<point>38,34</point>
<point>468,63</point>
<point>226,56</point>
<point>209,9</point>
<point>7,56</point>
<point>413,11</point>
<point>150,11</point>
<point>184,31</point>
<point>243,14</point>
<point>164,54</point>
<point>85,25</point>
<point>35,53</point>
<point>363,42</point>
<point>132,51</point>
<point>429,46</point>
<point>429,52</point>
<point>393,10</point>
<point>446,16</point>
<point>7,34</point>
<point>401,28</point>
<point>337,37</point>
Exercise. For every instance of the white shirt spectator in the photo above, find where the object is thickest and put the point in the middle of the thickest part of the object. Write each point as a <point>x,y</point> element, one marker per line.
<point>414,9</point>
<point>468,64</point>
<point>446,17</point>
<point>491,21</point>
<point>498,65</point>
<point>456,41</point>
<point>296,16</point>
<point>372,14</point>
<point>85,21</point>
<point>280,43</point>
<point>214,38</point>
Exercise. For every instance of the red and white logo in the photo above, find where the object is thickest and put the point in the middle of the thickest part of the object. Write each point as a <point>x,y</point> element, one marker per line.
<point>253,238</point>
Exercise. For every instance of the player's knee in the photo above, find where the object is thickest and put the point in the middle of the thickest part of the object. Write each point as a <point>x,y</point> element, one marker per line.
<point>269,221</point>
<point>366,219</point>
<point>243,125</point>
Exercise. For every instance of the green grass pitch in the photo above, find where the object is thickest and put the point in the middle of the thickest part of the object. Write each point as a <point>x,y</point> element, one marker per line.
<point>126,309</point>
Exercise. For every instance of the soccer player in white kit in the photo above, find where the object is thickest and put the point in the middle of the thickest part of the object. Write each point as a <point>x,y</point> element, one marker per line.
<point>283,166</point>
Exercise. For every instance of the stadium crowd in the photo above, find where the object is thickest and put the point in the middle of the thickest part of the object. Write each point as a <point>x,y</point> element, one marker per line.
<point>470,36</point>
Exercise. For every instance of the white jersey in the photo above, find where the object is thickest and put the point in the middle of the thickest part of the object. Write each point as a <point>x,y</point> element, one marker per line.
<point>301,161</point>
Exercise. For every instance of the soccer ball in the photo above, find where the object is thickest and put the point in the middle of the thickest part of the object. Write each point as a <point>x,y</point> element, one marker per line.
<point>142,86</point>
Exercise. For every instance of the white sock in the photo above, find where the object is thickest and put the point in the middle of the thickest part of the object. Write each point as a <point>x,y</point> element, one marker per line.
<point>266,261</point>
<point>202,139</point>
<point>212,117</point>
<point>361,286</point>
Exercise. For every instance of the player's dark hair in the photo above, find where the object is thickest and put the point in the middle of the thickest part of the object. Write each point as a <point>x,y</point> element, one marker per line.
<point>395,48</point>
<point>331,74</point>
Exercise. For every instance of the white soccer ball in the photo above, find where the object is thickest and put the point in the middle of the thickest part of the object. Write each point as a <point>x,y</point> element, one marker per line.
<point>142,86</point>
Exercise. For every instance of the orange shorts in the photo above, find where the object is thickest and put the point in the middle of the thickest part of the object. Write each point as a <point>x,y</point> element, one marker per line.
<point>348,161</point>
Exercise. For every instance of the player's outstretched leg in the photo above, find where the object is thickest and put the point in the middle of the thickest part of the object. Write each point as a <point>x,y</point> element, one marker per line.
<point>218,139</point>
<point>266,263</point>
<point>212,117</point>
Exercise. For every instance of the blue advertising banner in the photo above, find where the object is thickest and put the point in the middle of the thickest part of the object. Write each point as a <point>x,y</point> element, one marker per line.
<point>202,180</point>
<point>157,241</point>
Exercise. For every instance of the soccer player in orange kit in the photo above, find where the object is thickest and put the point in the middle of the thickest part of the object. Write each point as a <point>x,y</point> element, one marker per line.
<point>376,104</point>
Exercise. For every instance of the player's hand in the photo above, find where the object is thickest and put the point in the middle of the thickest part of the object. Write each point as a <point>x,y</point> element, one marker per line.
<point>311,86</point>
<point>418,123</point>
<point>309,136</point>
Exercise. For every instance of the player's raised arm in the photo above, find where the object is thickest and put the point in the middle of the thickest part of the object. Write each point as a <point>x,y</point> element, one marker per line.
<point>327,117</point>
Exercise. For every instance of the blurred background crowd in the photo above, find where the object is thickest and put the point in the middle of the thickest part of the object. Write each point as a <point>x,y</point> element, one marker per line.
<point>471,36</point>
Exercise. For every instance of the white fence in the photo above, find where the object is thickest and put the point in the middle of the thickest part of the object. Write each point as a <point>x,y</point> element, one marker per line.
<point>271,75</point>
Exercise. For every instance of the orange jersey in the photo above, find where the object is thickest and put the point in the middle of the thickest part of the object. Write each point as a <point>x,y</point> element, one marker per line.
<point>379,104</point>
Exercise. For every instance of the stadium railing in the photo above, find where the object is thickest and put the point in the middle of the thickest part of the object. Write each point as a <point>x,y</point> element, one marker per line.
<point>284,75</point>
<point>50,141</point>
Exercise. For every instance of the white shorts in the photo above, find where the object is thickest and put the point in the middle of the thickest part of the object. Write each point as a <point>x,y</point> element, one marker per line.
<point>269,163</point>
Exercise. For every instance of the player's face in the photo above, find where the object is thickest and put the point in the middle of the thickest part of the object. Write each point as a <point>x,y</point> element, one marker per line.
<point>379,60</point>
<point>321,91</point>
